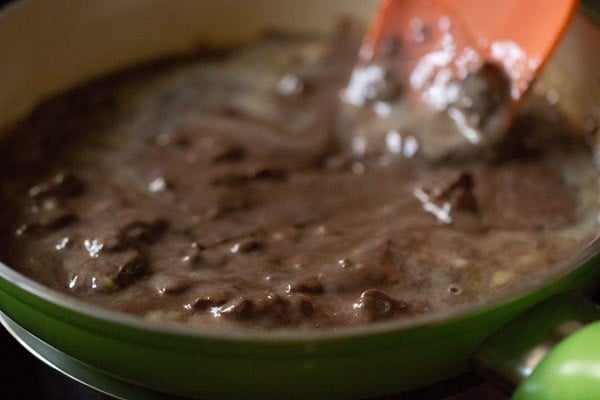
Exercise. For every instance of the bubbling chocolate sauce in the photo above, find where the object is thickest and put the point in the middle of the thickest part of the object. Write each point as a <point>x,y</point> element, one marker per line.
<point>215,191</point>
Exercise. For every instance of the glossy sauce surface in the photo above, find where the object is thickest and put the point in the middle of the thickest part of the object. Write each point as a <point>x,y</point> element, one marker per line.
<point>221,190</point>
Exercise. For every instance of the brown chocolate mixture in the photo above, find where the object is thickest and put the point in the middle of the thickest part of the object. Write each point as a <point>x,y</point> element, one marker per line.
<point>212,191</point>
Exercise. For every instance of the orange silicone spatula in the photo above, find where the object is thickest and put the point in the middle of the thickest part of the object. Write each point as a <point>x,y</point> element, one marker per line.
<point>437,46</point>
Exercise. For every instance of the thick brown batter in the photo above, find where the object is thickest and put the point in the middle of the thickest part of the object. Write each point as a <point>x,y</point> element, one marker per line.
<point>214,191</point>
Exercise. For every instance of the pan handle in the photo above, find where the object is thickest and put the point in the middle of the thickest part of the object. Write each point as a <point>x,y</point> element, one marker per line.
<point>551,352</point>
<point>570,371</point>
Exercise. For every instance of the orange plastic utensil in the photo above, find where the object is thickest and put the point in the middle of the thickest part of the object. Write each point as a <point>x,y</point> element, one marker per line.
<point>436,44</point>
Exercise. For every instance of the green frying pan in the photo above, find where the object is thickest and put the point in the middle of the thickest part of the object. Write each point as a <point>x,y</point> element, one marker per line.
<point>47,47</point>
